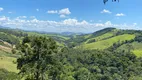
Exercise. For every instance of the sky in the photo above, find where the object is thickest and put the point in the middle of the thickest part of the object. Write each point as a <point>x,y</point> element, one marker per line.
<point>70,15</point>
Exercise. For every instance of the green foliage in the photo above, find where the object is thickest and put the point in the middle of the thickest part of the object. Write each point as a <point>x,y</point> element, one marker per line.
<point>57,37</point>
<point>11,36</point>
<point>100,65</point>
<point>134,46</point>
<point>8,38</point>
<point>103,31</point>
<point>17,33</point>
<point>138,38</point>
<point>37,55</point>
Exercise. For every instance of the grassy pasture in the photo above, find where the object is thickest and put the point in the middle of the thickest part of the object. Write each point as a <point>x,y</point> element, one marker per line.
<point>108,42</point>
<point>7,63</point>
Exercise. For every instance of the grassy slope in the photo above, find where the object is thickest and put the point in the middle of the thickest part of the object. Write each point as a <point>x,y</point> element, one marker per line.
<point>6,58</point>
<point>104,36</point>
<point>7,63</point>
<point>108,42</point>
<point>100,37</point>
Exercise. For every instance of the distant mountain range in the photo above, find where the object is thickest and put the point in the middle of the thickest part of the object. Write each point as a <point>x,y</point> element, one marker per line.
<point>4,27</point>
<point>43,32</point>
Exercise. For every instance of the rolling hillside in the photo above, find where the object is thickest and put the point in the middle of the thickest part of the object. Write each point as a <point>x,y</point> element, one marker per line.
<point>103,44</point>
<point>6,57</point>
<point>110,37</point>
<point>119,40</point>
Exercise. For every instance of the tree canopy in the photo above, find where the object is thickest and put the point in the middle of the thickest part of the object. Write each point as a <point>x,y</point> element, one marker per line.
<point>37,57</point>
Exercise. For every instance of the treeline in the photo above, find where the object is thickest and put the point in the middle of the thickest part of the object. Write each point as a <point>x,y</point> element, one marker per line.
<point>11,36</point>
<point>120,32</point>
<point>138,38</point>
<point>8,38</point>
<point>16,33</point>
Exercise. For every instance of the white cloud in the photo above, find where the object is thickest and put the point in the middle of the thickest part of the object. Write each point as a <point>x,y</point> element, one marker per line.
<point>120,14</point>
<point>64,11</point>
<point>37,10</point>
<point>62,16</point>
<point>4,18</point>
<point>72,25</point>
<point>1,9</point>
<point>52,11</point>
<point>106,11</point>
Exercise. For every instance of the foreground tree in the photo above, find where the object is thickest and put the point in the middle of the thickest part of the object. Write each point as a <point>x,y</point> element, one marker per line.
<point>37,58</point>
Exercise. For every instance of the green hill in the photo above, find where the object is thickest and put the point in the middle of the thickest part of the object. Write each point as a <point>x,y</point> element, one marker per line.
<point>108,38</point>
<point>103,36</point>
<point>103,44</point>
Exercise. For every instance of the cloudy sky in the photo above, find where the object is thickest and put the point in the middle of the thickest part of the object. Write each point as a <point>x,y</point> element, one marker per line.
<point>70,15</point>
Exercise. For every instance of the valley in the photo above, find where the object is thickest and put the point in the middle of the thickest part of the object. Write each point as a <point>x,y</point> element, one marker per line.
<point>111,39</point>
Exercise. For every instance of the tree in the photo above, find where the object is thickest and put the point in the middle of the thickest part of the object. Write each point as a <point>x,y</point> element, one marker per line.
<point>82,74</point>
<point>37,57</point>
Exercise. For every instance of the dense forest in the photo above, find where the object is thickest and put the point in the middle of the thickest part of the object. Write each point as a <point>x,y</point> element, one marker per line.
<point>108,54</point>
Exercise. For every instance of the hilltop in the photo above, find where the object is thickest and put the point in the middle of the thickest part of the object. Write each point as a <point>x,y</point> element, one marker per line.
<point>107,38</point>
